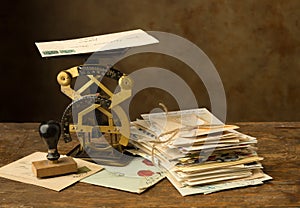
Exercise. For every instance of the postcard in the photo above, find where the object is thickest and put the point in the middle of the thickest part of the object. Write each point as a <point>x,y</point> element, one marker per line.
<point>21,171</point>
<point>136,177</point>
<point>92,44</point>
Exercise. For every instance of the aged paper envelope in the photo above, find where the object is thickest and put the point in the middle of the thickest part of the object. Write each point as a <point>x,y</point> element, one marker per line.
<point>136,177</point>
<point>20,170</point>
<point>206,189</point>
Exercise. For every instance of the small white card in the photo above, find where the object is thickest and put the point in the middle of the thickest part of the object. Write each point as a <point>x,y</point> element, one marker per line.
<point>20,170</point>
<point>92,44</point>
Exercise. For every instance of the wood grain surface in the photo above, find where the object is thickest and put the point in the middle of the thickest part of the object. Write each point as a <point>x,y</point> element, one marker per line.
<point>278,143</point>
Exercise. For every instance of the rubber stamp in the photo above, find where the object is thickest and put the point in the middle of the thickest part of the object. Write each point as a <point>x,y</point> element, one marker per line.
<point>54,165</point>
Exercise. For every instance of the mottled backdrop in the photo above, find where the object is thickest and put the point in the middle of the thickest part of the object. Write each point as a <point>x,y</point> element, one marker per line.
<point>254,44</point>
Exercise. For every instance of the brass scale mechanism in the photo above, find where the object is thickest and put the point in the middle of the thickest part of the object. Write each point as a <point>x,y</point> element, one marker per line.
<point>102,134</point>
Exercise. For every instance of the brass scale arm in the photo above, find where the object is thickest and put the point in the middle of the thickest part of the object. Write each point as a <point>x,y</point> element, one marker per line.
<point>95,101</point>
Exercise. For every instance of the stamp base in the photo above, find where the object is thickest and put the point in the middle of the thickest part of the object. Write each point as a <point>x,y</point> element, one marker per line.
<point>46,168</point>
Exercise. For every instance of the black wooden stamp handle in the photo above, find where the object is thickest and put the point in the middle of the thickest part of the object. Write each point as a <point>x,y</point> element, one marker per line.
<point>50,133</point>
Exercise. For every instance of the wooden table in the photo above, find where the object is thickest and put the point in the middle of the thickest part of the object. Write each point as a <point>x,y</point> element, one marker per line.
<point>278,143</point>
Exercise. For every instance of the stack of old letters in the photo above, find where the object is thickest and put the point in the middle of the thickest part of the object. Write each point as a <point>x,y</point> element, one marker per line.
<point>199,153</point>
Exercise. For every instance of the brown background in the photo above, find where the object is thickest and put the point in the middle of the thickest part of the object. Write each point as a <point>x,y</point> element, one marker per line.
<point>254,45</point>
